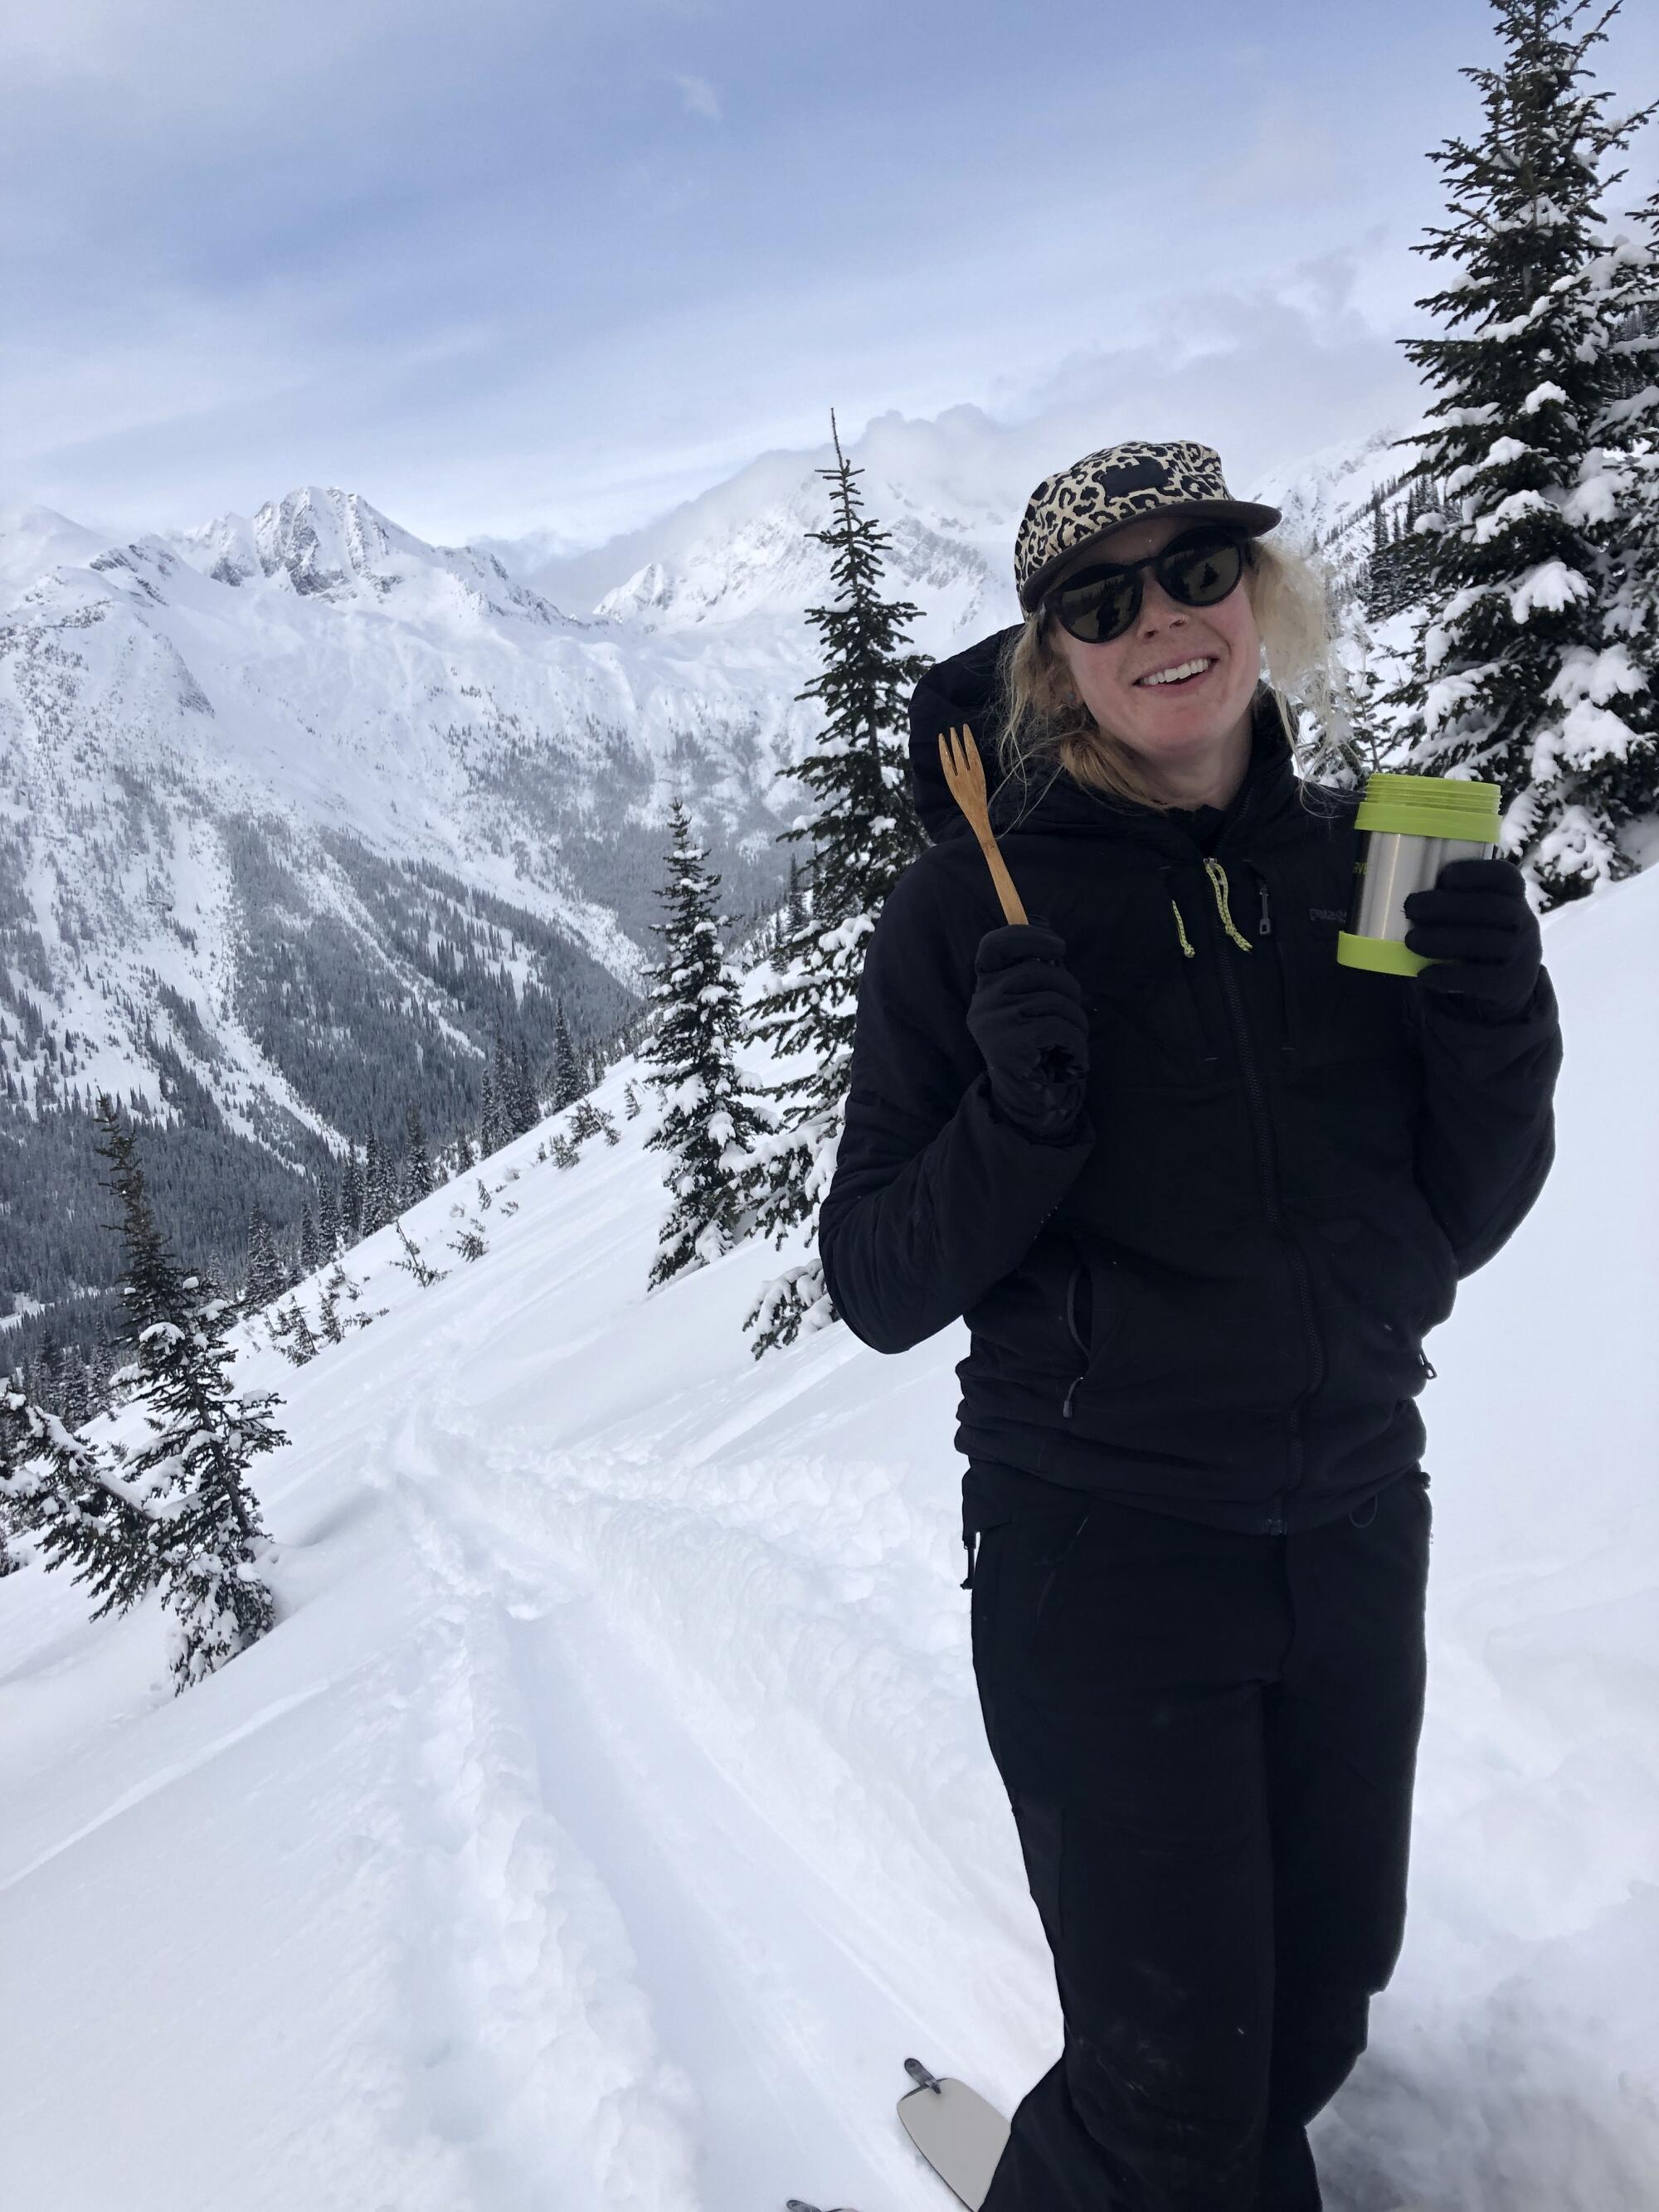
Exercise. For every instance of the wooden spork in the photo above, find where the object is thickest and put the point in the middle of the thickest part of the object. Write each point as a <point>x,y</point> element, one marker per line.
<point>964,771</point>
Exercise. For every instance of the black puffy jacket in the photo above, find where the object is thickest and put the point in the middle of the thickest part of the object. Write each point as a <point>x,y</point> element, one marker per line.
<point>1212,1299</point>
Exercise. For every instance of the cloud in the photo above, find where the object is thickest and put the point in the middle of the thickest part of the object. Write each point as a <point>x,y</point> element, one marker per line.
<point>698,96</point>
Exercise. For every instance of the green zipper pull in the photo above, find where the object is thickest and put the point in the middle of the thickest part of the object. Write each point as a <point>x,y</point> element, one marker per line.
<point>1217,875</point>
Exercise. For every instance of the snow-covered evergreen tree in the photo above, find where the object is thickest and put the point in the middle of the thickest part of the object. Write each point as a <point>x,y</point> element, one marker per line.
<point>266,1277</point>
<point>414,1262</point>
<point>292,1332</point>
<point>1620,491</point>
<point>527,1106</point>
<point>708,1121</point>
<point>328,1219</point>
<point>863,832</point>
<point>417,1176</point>
<point>380,1187</point>
<point>311,1251</point>
<point>795,907</point>
<point>351,1197</point>
<point>493,1128</point>
<point>568,1085</point>
<point>203,1435</point>
<point>90,1520</point>
<point>1510,678</point>
<point>70,1395</point>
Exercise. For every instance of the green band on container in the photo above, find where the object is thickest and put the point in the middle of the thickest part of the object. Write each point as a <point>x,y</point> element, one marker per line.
<point>1459,807</point>
<point>1380,954</point>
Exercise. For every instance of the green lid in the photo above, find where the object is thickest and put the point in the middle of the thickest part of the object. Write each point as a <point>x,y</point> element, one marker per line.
<point>1461,807</point>
<point>1382,955</point>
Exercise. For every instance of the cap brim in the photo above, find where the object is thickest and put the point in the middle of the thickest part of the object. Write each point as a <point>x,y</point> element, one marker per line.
<point>1249,514</point>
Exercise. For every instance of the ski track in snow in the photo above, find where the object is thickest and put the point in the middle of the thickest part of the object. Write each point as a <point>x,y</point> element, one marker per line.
<point>649,1946</point>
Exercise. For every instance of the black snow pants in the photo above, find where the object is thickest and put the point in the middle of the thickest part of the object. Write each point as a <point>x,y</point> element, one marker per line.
<point>1208,1740</point>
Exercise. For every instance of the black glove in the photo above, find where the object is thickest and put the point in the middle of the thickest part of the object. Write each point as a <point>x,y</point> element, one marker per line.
<point>1476,926</point>
<point>1026,1016</point>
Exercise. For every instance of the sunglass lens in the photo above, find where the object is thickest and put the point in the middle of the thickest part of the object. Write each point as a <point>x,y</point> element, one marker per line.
<point>1201,575</point>
<point>1098,607</point>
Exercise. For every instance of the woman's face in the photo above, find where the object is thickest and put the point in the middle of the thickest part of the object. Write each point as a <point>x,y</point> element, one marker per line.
<point>1169,723</point>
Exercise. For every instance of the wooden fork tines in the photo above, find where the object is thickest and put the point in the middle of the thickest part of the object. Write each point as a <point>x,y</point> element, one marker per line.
<point>964,771</point>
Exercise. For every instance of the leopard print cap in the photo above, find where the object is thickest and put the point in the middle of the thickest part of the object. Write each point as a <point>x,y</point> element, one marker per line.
<point>1095,494</point>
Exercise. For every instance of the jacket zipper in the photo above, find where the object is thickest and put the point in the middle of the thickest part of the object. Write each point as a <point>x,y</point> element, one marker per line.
<point>1263,1134</point>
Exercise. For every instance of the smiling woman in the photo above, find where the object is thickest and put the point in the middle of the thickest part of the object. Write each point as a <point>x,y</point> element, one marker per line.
<point>1198,1192</point>
<point>1087,701</point>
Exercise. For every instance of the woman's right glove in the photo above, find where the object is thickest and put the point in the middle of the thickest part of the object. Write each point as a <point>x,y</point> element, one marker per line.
<point>1027,1017</point>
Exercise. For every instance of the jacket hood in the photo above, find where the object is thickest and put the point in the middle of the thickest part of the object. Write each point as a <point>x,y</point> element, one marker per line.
<point>968,689</point>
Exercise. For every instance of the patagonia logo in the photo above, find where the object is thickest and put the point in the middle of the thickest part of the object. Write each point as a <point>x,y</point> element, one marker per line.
<point>1328,914</point>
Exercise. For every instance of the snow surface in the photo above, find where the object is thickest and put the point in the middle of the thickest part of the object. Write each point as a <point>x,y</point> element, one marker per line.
<point>609,1814</point>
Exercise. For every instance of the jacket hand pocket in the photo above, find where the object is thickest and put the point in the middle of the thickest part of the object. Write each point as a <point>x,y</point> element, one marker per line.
<point>1092,1309</point>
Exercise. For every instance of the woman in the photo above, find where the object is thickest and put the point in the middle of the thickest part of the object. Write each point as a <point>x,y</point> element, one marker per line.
<point>1199,1193</point>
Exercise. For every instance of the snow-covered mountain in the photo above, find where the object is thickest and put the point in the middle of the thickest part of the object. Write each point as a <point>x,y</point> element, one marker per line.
<point>609,1814</point>
<point>295,809</point>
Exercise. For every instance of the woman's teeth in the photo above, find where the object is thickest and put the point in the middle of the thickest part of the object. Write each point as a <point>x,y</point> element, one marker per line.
<point>1188,671</point>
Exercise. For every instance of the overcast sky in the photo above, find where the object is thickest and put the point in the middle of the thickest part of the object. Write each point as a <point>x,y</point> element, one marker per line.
<point>504,265</point>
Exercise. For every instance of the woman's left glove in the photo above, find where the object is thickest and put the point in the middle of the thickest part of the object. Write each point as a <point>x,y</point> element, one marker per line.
<point>1484,938</point>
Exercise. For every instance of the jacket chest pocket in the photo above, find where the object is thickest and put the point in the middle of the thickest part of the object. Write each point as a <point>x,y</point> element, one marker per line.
<point>1328,1012</point>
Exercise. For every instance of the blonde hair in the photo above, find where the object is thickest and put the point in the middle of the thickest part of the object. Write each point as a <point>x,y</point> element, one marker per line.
<point>1044,724</point>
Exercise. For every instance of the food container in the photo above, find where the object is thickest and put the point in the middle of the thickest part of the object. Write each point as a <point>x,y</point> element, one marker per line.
<point>1409,827</point>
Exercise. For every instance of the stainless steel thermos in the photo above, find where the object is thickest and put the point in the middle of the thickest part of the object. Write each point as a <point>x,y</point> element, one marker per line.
<point>1409,827</point>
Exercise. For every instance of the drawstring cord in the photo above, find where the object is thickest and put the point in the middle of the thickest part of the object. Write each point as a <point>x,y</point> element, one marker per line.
<point>1217,875</point>
<point>1220,887</point>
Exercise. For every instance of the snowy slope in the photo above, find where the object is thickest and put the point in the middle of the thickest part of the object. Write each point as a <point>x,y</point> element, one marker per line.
<point>609,1813</point>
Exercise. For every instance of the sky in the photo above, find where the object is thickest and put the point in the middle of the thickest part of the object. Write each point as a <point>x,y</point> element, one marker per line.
<point>551,267</point>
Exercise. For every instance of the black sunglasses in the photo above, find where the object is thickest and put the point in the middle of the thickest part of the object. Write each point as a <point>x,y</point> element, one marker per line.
<point>1197,568</point>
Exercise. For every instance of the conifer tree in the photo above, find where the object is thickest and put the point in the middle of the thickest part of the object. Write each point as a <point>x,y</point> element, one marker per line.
<point>351,1197</point>
<point>328,1219</point>
<point>708,1122</point>
<point>264,1265</point>
<point>567,1073</point>
<point>74,1402</point>
<point>292,1332</point>
<point>380,1189</point>
<point>527,1108</point>
<point>311,1252</point>
<point>203,1434</point>
<point>794,912</point>
<point>90,1519</point>
<point>1507,646</point>
<point>1624,468</point>
<point>417,1160</point>
<point>863,833</point>
<point>493,1129</point>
